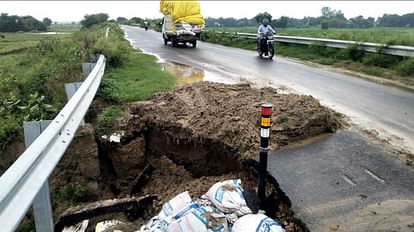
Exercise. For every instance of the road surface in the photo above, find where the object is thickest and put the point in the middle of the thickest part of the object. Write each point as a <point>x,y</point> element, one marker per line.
<point>388,110</point>
<point>340,182</point>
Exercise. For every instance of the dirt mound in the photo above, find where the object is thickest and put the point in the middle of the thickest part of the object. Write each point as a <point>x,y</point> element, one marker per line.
<point>230,113</point>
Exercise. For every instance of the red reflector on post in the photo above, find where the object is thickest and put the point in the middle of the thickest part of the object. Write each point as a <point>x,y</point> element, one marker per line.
<point>266,109</point>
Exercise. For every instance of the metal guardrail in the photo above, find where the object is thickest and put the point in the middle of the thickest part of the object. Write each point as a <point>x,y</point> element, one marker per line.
<point>397,50</point>
<point>27,175</point>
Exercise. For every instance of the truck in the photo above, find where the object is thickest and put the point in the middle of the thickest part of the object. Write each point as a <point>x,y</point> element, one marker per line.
<point>182,22</point>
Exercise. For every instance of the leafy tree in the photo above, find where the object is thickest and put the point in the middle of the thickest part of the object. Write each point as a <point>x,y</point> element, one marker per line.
<point>47,22</point>
<point>259,17</point>
<point>324,24</point>
<point>135,20</point>
<point>121,20</point>
<point>90,20</point>
<point>15,23</point>
<point>284,21</point>
<point>327,13</point>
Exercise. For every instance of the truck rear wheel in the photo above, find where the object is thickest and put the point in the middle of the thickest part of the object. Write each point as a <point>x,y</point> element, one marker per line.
<point>174,43</point>
<point>194,43</point>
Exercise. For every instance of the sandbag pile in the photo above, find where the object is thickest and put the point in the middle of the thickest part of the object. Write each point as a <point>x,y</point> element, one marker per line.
<point>223,208</point>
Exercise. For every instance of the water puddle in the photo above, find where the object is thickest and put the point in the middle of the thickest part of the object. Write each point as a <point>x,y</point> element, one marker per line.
<point>186,74</point>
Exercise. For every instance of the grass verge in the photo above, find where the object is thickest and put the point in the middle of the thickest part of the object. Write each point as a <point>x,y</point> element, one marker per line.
<point>138,78</point>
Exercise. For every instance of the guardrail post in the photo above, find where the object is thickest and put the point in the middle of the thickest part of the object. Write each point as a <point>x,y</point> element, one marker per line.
<point>87,68</point>
<point>70,89</point>
<point>42,208</point>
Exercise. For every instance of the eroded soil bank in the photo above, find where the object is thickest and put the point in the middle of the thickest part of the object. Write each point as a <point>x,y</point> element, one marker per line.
<point>230,113</point>
<point>188,139</point>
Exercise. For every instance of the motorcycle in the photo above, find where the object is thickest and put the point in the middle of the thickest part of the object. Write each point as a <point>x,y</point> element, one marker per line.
<point>267,46</point>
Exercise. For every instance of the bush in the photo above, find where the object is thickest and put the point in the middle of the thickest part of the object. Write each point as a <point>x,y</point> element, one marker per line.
<point>324,24</point>
<point>318,48</point>
<point>353,52</point>
<point>106,119</point>
<point>72,194</point>
<point>406,67</point>
<point>93,19</point>
<point>381,60</point>
<point>108,90</point>
<point>9,127</point>
<point>114,50</point>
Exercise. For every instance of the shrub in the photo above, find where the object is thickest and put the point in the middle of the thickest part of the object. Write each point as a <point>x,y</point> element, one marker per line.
<point>353,52</point>
<point>9,127</point>
<point>324,24</point>
<point>107,89</point>
<point>72,193</point>
<point>406,67</point>
<point>114,50</point>
<point>381,60</point>
<point>106,119</point>
<point>318,48</point>
<point>93,19</point>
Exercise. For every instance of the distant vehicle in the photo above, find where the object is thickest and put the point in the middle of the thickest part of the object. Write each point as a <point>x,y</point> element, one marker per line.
<point>182,22</point>
<point>267,48</point>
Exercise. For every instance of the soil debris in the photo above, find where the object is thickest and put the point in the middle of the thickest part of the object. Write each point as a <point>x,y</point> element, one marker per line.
<point>230,113</point>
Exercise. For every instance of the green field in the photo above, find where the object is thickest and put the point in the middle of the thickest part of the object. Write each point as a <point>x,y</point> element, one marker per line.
<point>390,36</point>
<point>17,42</point>
<point>65,27</point>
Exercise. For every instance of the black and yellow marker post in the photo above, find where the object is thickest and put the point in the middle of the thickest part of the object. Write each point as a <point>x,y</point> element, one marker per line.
<point>265,124</point>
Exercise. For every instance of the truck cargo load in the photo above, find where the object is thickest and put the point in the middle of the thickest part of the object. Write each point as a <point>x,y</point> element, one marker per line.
<point>182,22</point>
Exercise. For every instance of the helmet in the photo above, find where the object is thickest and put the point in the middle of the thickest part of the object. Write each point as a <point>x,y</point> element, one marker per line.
<point>265,21</point>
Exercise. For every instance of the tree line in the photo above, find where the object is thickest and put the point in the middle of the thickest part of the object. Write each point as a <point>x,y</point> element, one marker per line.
<point>14,23</point>
<point>329,18</point>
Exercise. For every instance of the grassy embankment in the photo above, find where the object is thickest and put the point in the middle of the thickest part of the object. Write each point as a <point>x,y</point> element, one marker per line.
<point>34,67</point>
<point>377,64</point>
<point>32,81</point>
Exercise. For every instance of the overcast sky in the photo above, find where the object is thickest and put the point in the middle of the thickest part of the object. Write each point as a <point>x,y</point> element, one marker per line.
<point>75,10</point>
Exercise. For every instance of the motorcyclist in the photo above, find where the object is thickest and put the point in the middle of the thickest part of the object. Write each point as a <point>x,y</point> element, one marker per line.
<point>263,29</point>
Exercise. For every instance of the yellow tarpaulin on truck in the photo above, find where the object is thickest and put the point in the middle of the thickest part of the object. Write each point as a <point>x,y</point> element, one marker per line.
<point>183,11</point>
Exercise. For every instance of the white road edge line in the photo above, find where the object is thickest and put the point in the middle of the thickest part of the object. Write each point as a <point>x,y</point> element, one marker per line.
<point>348,180</point>
<point>379,179</point>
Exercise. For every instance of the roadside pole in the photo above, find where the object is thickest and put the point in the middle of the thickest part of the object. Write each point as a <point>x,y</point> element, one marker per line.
<point>265,124</point>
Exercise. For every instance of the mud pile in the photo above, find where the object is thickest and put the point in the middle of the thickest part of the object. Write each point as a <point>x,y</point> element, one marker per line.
<point>188,139</point>
<point>230,113</point>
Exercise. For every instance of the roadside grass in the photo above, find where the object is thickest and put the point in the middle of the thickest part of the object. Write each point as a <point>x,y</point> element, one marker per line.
<point>33,80</point>
<point>138,78</point>
<point>134,76</point>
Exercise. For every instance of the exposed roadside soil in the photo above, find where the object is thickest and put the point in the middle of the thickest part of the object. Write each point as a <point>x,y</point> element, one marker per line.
<point>193,137</point>
<point>230,113</point>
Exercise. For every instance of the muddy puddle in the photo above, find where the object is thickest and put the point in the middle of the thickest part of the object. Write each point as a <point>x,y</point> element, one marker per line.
<point>186,74</point>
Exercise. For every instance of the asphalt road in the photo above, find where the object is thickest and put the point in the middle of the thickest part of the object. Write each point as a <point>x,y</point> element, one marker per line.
<point>386,109</point>
<point>340,182</point>
<point>343,181</point>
